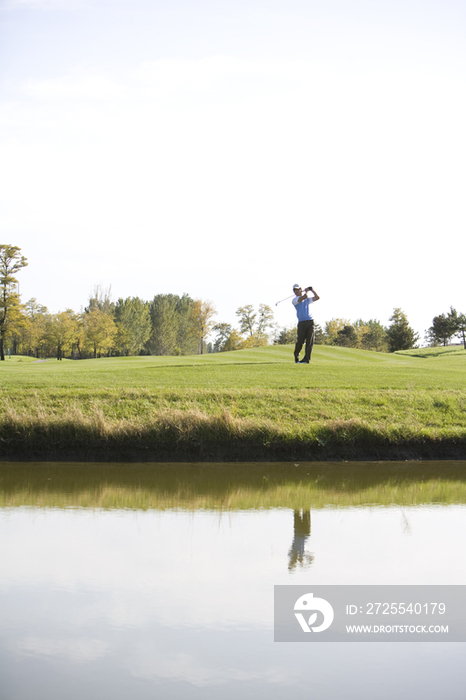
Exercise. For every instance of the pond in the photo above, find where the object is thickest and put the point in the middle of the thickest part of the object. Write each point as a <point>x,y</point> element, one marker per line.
<point>148,581</point>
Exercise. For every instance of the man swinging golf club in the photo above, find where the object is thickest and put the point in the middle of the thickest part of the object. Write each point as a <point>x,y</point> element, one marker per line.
<point>302,304</point>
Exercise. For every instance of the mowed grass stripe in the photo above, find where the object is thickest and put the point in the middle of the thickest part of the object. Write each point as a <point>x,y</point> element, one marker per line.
<point>261,368</point>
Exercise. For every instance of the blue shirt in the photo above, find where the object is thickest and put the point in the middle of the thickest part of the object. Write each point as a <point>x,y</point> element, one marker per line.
<point>303,309</point>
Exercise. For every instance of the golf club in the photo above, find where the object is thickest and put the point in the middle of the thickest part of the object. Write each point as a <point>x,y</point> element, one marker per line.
<point>290,297</point>
<point>279,302</point>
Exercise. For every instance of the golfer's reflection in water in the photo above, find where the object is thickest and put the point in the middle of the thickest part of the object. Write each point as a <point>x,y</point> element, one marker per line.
<point>302,530</point>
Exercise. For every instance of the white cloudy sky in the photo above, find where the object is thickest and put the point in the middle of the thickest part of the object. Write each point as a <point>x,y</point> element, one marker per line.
<point>230,149</point>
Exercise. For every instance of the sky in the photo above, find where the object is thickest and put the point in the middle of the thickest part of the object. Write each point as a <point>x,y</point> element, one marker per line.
<point>228,150</point>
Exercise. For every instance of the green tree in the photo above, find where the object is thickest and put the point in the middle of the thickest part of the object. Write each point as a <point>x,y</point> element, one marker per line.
<point>223,331</point>
<point>133,324</point>
<point>33,334</point>
<point>247,319</point>
<point>346,337</point>
<point>332,327</point>
<point>203,313</point>
<point>286,336</point>
<point>187,331</point>
<point>373,336</point>
<point>227,338</point>
<point>233,342</point>
<point>265,322</point>
<point>165,323</point>
<point>319,335</point>
<point>256,340</point>
<point>60,330</point>
<point>442,329</point>
<point>11,262</point>
<point>459,321</point>
<point>400,335</point>
<point>100,330</point>
<point>461,331</point>
<point>79,342</point>
<point>17,325</point>
<point>101,299</point>
<point>255,325</point>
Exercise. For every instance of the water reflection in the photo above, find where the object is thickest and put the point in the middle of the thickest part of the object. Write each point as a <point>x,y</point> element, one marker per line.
<point>157,581</point>
<point>232,486</point>
<point>302,531</point>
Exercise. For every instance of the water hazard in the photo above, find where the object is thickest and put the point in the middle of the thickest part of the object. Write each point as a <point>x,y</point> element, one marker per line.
<point>157,580</point>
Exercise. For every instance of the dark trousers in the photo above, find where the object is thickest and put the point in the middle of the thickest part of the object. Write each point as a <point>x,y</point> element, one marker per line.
<point>305,335</point>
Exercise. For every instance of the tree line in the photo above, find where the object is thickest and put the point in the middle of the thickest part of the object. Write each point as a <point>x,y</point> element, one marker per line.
<point>365,335</point>
<point>398,335</point>
<point>170,324</point>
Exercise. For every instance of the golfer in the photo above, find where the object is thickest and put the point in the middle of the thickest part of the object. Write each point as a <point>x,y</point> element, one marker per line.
<point>302,304</point>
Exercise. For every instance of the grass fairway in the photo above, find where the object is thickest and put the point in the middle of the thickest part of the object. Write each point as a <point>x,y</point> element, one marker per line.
<point>244,405</point>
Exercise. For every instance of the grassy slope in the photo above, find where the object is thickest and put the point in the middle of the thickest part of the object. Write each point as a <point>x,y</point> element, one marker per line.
<point>251,404</point>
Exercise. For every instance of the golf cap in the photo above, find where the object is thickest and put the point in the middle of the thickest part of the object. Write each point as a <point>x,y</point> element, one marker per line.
<point>296,286</point>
